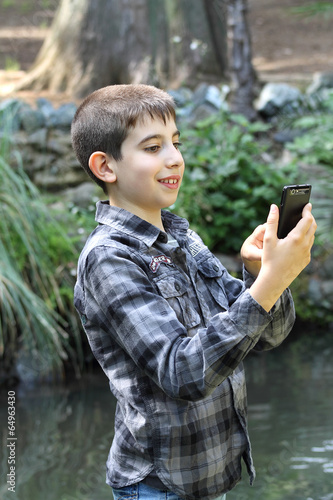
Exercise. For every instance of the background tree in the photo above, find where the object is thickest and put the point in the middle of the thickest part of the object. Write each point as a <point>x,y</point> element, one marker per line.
<point>242,73</point>
<point>235,52</point>
<point>163,42</point>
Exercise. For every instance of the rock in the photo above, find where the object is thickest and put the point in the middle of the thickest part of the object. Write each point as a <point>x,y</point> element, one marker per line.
<point>275,97</point>
<point>58,178</point>
<point>46,107</point>
<point>206,101</point>
<point>31,120</point>
<point>63,116</point>
<point>83,195</point>
<point>38,162</point>
<point>19,139</point>
<point>57,118</point>
<point>287,135</point>
<point>38,139</point>
<point>182,96</point>
<point>62,137</point>
<point>57,147</point>
<point>208,94</point>
<point>320,81</point>
<point>327,497</point>
<point>72,162</point>
<point>202,112</point>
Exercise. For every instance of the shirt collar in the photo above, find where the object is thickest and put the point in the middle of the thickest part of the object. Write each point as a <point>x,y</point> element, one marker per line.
<point>133,225</point>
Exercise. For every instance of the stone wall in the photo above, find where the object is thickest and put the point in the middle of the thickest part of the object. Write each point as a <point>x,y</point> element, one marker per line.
<point>42,137</point>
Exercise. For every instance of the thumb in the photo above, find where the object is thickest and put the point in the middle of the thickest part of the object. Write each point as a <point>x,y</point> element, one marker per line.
<point>272,221</point>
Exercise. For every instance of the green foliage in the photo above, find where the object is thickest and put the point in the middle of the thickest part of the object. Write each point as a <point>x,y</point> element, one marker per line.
<point>230,180</point>
<point>11,64</point>
<point>37,259</point>
<point>315,8</point>
<point>315,147</point>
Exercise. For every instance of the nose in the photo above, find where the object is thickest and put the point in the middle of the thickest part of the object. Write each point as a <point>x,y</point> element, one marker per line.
<point>174,157</point>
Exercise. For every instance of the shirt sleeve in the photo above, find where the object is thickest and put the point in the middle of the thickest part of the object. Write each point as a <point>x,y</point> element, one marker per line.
<point>283,318</point>
<point>121,307</point>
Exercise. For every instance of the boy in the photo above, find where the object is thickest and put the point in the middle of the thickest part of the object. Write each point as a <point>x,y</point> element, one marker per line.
<point>169,326</point>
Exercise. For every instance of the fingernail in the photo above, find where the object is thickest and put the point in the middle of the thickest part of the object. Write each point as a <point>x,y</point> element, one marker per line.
<point>273,209</point>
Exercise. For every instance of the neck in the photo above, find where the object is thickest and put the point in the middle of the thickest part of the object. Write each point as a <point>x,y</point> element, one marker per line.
<point>153,217</point>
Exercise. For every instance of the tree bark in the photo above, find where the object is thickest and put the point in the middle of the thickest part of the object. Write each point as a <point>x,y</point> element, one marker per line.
<point>92,44</point>
<point>216,12</point>
<point>242,73</point>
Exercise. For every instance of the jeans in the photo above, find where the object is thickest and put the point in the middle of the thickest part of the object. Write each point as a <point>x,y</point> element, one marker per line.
<point>141,491</point>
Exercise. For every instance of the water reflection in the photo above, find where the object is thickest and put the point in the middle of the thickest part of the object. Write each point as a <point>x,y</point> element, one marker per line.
<point>63,440</point>
<point>291,424</point>
<point>64,433</point>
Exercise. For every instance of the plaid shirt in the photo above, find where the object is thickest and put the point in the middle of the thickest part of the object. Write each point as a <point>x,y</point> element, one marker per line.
<point>170,328</point>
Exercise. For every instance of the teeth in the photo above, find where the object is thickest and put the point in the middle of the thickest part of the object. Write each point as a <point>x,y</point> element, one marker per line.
<point>169,181</point>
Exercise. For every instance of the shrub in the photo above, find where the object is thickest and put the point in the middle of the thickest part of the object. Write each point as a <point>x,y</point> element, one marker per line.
<point>230,179</point>
<point>36,312</point>
<point>314,147</point>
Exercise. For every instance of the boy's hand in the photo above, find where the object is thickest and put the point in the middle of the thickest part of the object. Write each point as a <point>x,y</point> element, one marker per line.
<point>251,251</point>
<point>281,260</point>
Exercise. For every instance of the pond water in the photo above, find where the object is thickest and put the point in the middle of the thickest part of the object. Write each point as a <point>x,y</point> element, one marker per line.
<point>64,432</point>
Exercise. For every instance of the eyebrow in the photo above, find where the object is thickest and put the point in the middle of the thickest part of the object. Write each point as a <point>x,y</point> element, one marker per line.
<point>157,136</point>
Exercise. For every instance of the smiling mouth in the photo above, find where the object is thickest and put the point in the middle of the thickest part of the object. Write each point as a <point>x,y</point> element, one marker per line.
<point>169,181</point>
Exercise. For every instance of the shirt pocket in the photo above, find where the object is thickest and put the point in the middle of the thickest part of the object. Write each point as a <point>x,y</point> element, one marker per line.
<point>211,272</point>
<point>176,290</point>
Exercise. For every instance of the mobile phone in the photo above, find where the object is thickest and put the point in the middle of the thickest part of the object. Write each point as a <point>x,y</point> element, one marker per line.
<point>293,200</point>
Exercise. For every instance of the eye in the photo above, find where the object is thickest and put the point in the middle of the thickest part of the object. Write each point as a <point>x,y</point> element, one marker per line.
<point>177,144</point>
<point>152,149</point>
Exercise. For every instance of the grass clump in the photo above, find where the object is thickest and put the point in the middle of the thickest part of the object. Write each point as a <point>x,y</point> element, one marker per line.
<point>36,266</point>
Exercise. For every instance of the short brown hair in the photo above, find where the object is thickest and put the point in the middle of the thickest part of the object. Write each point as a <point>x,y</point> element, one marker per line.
<point>102,121</point>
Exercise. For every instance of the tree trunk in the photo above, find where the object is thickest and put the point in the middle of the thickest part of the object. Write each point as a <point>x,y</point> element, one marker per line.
<point>92,44</point>
<point>216,12</point>
<point>242,73</point>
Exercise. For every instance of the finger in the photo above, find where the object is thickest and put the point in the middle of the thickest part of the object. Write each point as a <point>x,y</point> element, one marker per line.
<point>259,232</point>
<point>306,209</point>
<point>307,221</point>
<point>312,229</point>
<point>260,229</point>
<point>272,222</point>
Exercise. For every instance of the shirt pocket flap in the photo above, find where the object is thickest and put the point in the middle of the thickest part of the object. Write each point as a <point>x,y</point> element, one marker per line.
<point>177,291</point>
<point>211,272</point>
<point>172,286</point>
<point>211,268</point>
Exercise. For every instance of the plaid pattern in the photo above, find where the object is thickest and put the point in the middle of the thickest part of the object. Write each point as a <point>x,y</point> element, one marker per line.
<point>170,333</point>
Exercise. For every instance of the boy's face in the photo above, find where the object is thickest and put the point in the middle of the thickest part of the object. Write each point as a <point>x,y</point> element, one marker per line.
<point>149,175</point>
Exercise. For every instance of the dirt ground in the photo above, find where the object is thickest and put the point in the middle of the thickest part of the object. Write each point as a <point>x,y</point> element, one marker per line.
<point>285,46</point>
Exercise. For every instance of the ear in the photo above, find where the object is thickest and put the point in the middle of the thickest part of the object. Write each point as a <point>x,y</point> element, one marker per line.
<point>101,166</point>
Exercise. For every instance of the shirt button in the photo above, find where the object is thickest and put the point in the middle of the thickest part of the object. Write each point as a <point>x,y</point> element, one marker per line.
<point>162,237</point>
<point>216,268</point>
<point>177,286</point>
